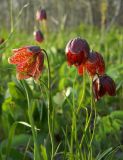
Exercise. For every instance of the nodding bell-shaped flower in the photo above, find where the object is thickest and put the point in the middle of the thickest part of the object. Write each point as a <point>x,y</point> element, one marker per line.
<point>38,35</point>
<point>94,65</point>
<point>2,46</point>
<point>1,40</point>
<point>41,15</point>
<point>102,85</point>
<point>77,51</point>
<point>29,62</point>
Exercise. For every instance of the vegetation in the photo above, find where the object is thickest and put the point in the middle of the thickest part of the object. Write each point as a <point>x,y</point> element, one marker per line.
<point>56,117</point>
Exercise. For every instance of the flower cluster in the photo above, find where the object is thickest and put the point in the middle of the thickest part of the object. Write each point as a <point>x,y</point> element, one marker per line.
<point>29,60</point>
<point>78,54</point>
<point>41,16</point>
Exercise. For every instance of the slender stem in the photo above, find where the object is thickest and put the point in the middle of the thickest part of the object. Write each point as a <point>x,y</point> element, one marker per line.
<point>37,153</point>
<point>45,28</point>
<point>88,118</point>
<point>15,24</point>
<point>26,149</point>
<point>94,108</point>
<point>85,129</point>
<point>73,127</point>
<point>72,134</point>
<point>50,108</point>
<point>83,91</point>
<point>11,16</point>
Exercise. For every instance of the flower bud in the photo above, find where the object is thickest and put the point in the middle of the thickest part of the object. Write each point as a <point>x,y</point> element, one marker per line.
<point>38,36</point>
<point>41,15</point>
<point>1,40</point>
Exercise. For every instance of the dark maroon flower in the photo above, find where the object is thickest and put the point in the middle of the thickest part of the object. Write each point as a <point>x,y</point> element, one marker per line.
<point>94,65</point>
<point>38,36</point>
<point>81,69</point>
<point>102,85</point>
<point>2,47</point>
<point>77,51</point>
<point>1,40</point>
<point>41,15</point>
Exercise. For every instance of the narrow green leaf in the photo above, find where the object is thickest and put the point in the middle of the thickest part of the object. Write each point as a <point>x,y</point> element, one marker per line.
<point>100,156</point>
<point>11,135</point>
<point>44,153</point>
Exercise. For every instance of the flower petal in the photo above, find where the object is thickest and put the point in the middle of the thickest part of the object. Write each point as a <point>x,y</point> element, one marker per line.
<point>80,69</point>
<point>39,65</point>
<point>29,61</point>
<point>77,51</point>
<point>21,76</point>
<point>20,55</point>
<point>95,64</point>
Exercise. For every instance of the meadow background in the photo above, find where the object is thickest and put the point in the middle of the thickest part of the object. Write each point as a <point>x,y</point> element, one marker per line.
<point>101,24</point>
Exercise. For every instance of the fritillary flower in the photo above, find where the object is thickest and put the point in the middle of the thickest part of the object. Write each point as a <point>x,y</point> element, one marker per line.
<point>102,85</point>
<point>29,62</point>
<point>41,15</point>
<point>1,40</point>
<point>77,51</point>
<point>94,65</point>
<point>2,47</point>
<point>38,36</point>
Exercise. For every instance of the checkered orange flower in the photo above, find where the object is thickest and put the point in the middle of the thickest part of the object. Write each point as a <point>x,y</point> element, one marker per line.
<point>29,62</point>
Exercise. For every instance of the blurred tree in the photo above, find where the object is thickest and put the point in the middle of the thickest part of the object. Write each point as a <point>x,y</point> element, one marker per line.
<point>63,13</point>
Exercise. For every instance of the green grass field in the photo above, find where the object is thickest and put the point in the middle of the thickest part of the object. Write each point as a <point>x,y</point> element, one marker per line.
<point>74,135</point>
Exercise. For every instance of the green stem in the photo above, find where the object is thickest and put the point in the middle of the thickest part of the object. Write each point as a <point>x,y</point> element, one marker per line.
<point>83,91</point>
<point>72,134</point>
<point>88,117</point>
<point>94,124</point>
<point>50,108</point>
<point>11,16</point>
<point>73,127</point>
<point>37,153</point>
<point>94,108</point>
<point>15,25</point>
<point>85,129</point>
